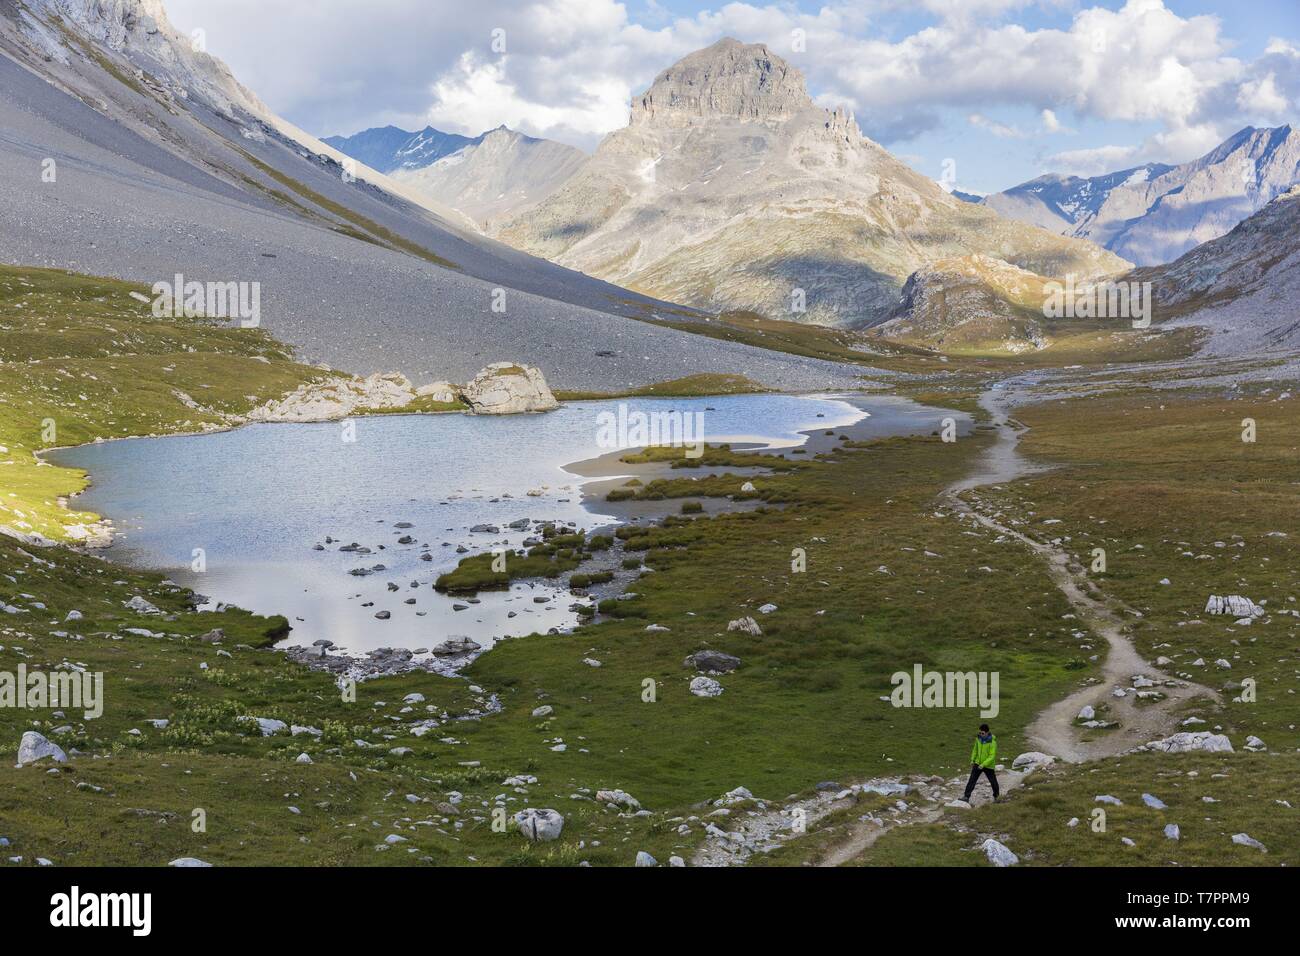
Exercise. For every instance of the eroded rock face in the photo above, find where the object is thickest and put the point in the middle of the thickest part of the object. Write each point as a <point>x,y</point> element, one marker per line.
<point>731,79</point>
<point>506,388</point>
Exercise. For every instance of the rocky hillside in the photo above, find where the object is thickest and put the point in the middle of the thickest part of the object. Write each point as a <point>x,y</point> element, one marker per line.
<point>127,153</point>
<point>1243,287</point>
<point>501,173</point>
<point>1154,213</point>
<point>970,302</point>
<point>730,189</point>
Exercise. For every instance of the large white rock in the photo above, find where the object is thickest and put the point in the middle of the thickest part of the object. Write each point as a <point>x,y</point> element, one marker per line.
<point>508,388</point>
<point>141,606</point>
<point>187,861</point>
<point>1245,839</point>
<point>1233,605</point>
<point>540,826</point>
<point>269,726</point>
<point>1185,741</point>
<point>746,625</point>
<point>998,854</point>
<point>706,687</point>
<point>618,798</point>
<point>1033,758</point>
<point>34,747</point>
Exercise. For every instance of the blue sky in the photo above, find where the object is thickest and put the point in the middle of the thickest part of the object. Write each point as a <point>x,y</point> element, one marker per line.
<point>1006,89</point>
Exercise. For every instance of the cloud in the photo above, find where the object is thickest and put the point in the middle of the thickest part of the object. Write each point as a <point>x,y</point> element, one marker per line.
<point>571,67</point>
<point>1051,124</point>
<point>1262,97</point>
<point>1001,130</point>
<point>1095,161</point>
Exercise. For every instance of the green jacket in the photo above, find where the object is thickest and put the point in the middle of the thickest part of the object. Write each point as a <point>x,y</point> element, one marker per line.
<point>985,754</point>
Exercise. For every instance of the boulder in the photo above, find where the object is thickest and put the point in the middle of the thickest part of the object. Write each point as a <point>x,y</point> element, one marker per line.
<point>645,859</point>
<point>1032,758</point>
<point>1233,605</point>
<point>269,726</point>
<point>1186,741</point>
<point>1172,832</point>
<point>540,826</point>
<point>618,798</point>
<point>706,687</point>
<point>507,388</point>
<point>746,625</point>
<point>141,606</point>
<point>1245,839</point>
<point>998,854</point>
<point>713,662</point>
<point>34,747</point>
<point>456,646</point>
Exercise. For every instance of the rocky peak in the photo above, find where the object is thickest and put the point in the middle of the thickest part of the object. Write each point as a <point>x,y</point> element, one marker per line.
<point>733,80</point>
<point>111,21</point>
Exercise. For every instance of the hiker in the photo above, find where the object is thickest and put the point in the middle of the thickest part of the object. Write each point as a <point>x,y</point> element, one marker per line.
<point>983,757</point>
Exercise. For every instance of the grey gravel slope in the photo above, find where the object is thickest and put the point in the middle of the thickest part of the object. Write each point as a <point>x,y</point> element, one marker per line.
<point>154,179</point>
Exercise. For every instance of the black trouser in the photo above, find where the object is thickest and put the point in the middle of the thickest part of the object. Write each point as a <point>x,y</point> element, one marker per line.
<point>975,772</point>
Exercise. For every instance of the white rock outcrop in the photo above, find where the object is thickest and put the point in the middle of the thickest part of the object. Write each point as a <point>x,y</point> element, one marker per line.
<point>508,388</point>
<point>1234,605</point>
<point>1186,741</point>
<point>337,398</point>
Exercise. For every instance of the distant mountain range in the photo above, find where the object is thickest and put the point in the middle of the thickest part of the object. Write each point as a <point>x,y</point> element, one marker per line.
<point>498,173</point>
<point>387,148</point>
<point>730,189</point>
<point>1154,213</point>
